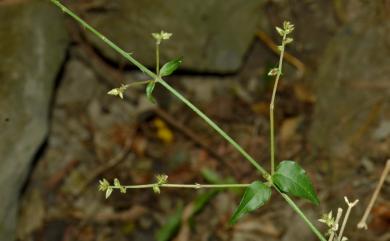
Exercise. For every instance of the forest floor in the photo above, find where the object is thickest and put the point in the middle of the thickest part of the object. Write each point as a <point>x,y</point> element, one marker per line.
<point>95,136</point>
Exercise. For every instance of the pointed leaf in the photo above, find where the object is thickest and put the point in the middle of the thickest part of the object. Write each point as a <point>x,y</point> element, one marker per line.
<point>108,192</point>
<point>254,197</point>
<point>149,91</point>
<point>169,67</point>
<point>290,178</point>
<point>280,31</point>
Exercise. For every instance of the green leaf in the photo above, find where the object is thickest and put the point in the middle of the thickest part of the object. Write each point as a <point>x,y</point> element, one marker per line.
<point>108,192</point>
<point>280,31</point>
<point>290,178</point>
<point>171,226</point>
<point>254,197</point>
<point>169,67</point>
<point>149,91</point>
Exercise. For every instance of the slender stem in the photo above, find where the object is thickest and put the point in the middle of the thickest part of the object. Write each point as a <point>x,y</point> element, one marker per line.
<point>302,215</point>
<point>158,58</point>
<point>115,47</point>
<point>165,84</point>
<point>211,123</point>
<point>332,234</point>
<point>138,83</point>
<point>194,186</point>
<point>272,106</point>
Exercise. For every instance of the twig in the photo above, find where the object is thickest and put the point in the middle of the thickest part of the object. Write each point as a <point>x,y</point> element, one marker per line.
<point>350,206</point>
<point>193,186</point>
<point>202,115</point>
<point>363,221</point>
<point>338,216</point>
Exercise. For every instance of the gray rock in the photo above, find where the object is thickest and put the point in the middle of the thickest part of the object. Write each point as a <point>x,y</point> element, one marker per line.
<point>352,87</point>
<point>212,35</point>
<point>32,46</point>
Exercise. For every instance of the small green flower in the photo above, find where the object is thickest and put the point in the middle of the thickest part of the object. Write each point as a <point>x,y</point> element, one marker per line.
<point>118,91</point>
<point>103,185</point>
<point>288,27</point>
<point>161,36</point>
<point>273,72</point>
<point>327,219</point>
<point>161,179</point>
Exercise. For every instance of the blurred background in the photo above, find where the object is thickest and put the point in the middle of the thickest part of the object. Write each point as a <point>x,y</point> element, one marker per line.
<point>60,132</point>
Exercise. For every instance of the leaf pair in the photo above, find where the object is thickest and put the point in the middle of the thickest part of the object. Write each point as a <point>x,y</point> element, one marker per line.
<point>289,177</point>
<point>166,69</point>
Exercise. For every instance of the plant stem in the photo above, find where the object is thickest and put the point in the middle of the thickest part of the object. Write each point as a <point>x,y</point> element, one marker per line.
<point>194,186</point>
<point>158,59</point>
<point>333,233</point>
<point>126,55</point>
<point>301,214</point>
<point>272,107</point>
<point>350,206</point>
<point>138,83</point>
<point>211,123</point>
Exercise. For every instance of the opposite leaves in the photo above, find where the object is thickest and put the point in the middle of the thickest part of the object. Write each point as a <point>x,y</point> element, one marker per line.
<point>290,178</point>
<point>254,197</point>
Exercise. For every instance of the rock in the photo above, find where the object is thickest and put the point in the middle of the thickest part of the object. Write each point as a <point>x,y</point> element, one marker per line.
<point>212,35</point>
<point>32,46</point>
<point>352,86</point>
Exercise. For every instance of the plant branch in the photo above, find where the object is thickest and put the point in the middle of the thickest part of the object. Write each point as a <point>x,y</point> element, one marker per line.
<point>338,216</point>
<point>193,186</point>
<point>301,214</point>
<point>350,206</point>
<point>211,123</point>
<point>127,55</point>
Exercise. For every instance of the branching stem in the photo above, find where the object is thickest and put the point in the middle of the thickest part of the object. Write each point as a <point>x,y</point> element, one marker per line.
<point>211,123</point>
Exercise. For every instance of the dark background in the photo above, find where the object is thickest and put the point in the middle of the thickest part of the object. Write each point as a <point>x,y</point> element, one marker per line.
<point>60,132</point>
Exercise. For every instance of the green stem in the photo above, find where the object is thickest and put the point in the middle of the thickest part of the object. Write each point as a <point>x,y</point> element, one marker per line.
<point>302,215</point>
<point>158,59</point>
<point>165,84</point>
<point>212,124</point>
<point>272,107</point>
<point>138,83</point>
<point>194,186</point>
